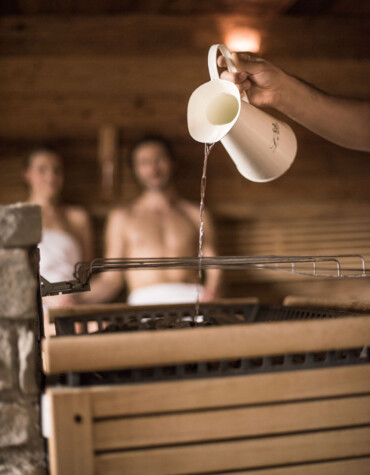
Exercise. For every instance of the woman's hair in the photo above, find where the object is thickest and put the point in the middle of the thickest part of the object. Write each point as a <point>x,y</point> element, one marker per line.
<point>158,139</point>
<point>42,150</point>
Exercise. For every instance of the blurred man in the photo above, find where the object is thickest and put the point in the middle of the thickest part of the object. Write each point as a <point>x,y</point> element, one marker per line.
<point>159,223</point>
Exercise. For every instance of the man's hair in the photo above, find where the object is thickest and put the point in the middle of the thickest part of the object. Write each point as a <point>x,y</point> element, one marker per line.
<point>146,139</point>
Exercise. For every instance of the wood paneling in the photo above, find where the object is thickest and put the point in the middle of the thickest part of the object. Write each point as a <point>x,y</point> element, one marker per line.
<point>64,78</point>
<point>200,394</point>
<point>169,429</point>
<point>71,434</point>
<point>175,7</point>
<point>182,7</point>
<point>286,420</point>
<point>233,455</point>
<point>162,35</point>
<point>52,98</point>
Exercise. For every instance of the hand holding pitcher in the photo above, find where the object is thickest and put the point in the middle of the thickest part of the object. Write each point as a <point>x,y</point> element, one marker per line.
<point>262,147</point>
<point>341,120</point>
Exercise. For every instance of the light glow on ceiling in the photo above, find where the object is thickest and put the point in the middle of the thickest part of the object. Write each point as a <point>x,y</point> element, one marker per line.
<point>243,39</point>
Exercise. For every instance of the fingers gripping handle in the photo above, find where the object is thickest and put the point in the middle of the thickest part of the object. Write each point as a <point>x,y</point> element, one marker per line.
<point>212,63</point>
<point>212,60</point>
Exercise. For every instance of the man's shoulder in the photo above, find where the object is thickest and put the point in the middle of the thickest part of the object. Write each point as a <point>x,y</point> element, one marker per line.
<point>119,212</point>
<point>190,208</point>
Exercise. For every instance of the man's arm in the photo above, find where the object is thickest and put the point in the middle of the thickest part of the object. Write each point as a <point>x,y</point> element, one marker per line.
<point>105,286</point>
<point>342,121</point>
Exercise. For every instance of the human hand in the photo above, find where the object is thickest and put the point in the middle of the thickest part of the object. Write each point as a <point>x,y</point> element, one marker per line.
<point>63,300</point>
<point>262,81</point>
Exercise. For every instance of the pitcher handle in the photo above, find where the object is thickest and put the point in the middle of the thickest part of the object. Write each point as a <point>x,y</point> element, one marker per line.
<point>212,63</point>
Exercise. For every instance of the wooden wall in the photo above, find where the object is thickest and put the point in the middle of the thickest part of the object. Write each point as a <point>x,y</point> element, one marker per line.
<point>64,78</point>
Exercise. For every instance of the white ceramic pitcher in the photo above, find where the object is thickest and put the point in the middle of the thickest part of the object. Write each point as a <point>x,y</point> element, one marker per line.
<point>262,147</point>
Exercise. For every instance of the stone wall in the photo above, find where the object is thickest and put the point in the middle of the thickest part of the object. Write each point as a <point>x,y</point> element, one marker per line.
<point>21,444</point>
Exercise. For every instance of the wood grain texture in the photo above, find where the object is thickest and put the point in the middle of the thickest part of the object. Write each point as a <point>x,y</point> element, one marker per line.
<point>341,467</point>
<point>105,35</point>
<point>70,443</point>
<point>225,392</point>
<point>143,349</point>
<point>194,427</point>
<point>239,454</point>
<point>339,304</point>
<point>247,437</point>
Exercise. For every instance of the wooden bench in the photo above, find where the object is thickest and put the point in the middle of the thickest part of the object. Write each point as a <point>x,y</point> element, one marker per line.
<point>311,421</point>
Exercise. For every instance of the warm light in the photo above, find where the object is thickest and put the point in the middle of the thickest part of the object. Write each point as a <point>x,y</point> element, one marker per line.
<point>243,39</point>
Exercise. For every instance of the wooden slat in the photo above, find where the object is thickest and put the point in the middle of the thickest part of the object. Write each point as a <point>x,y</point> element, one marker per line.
<point>70,443</point>
<point>109,7</point>
<point>86,113</point>
<point>306,249</point>
<point>239,454</point>
<point>294,229</point>
<point>177,428</point>
<point>272,288</point>
<point>105,35</point>
<point>82,96</point>
<point>285,212</point>
<point>201,344</point>
<point>292,234</point>
<point>338,304</point>
<point>35,76</point>
<point>341,467</point>
<point>43,82</point>
<point>336,239</point>
<point>224,392</point>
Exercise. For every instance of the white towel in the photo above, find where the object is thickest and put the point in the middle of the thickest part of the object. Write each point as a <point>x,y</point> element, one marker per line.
<point>166,293</point>
<point>59,252</point>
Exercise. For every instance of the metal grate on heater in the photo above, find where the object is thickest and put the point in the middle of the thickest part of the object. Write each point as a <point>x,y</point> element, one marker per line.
<point>238,367</point>
<point>177,317</point>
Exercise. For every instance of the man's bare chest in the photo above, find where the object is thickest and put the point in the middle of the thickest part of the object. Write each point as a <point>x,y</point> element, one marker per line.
<point>168,229</point>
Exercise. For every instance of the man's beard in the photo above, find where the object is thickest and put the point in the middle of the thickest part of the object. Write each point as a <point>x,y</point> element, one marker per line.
<point>162,186</point>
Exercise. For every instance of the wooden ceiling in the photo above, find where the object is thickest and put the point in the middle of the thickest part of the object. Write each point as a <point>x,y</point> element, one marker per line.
<point>185,7</point>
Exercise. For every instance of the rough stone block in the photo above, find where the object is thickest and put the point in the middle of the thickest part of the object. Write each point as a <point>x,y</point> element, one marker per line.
<point>22,462</point>
<point>29,458</point>
<point>17,285</point>
<point>27,359</point>
<point>20,225</point>
<point>14,425</point>
<point>6,359</point>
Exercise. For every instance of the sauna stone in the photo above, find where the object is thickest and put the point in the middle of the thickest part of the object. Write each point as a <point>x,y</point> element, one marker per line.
<point>21,444</point>
<point>19,225</point>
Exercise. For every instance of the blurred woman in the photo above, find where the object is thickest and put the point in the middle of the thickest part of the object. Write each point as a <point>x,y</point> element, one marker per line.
<point>66,230</point>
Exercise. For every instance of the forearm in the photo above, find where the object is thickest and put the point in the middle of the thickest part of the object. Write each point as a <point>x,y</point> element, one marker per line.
<point>104,287</point>
<point>342,121</point>
<point>213,283</point>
